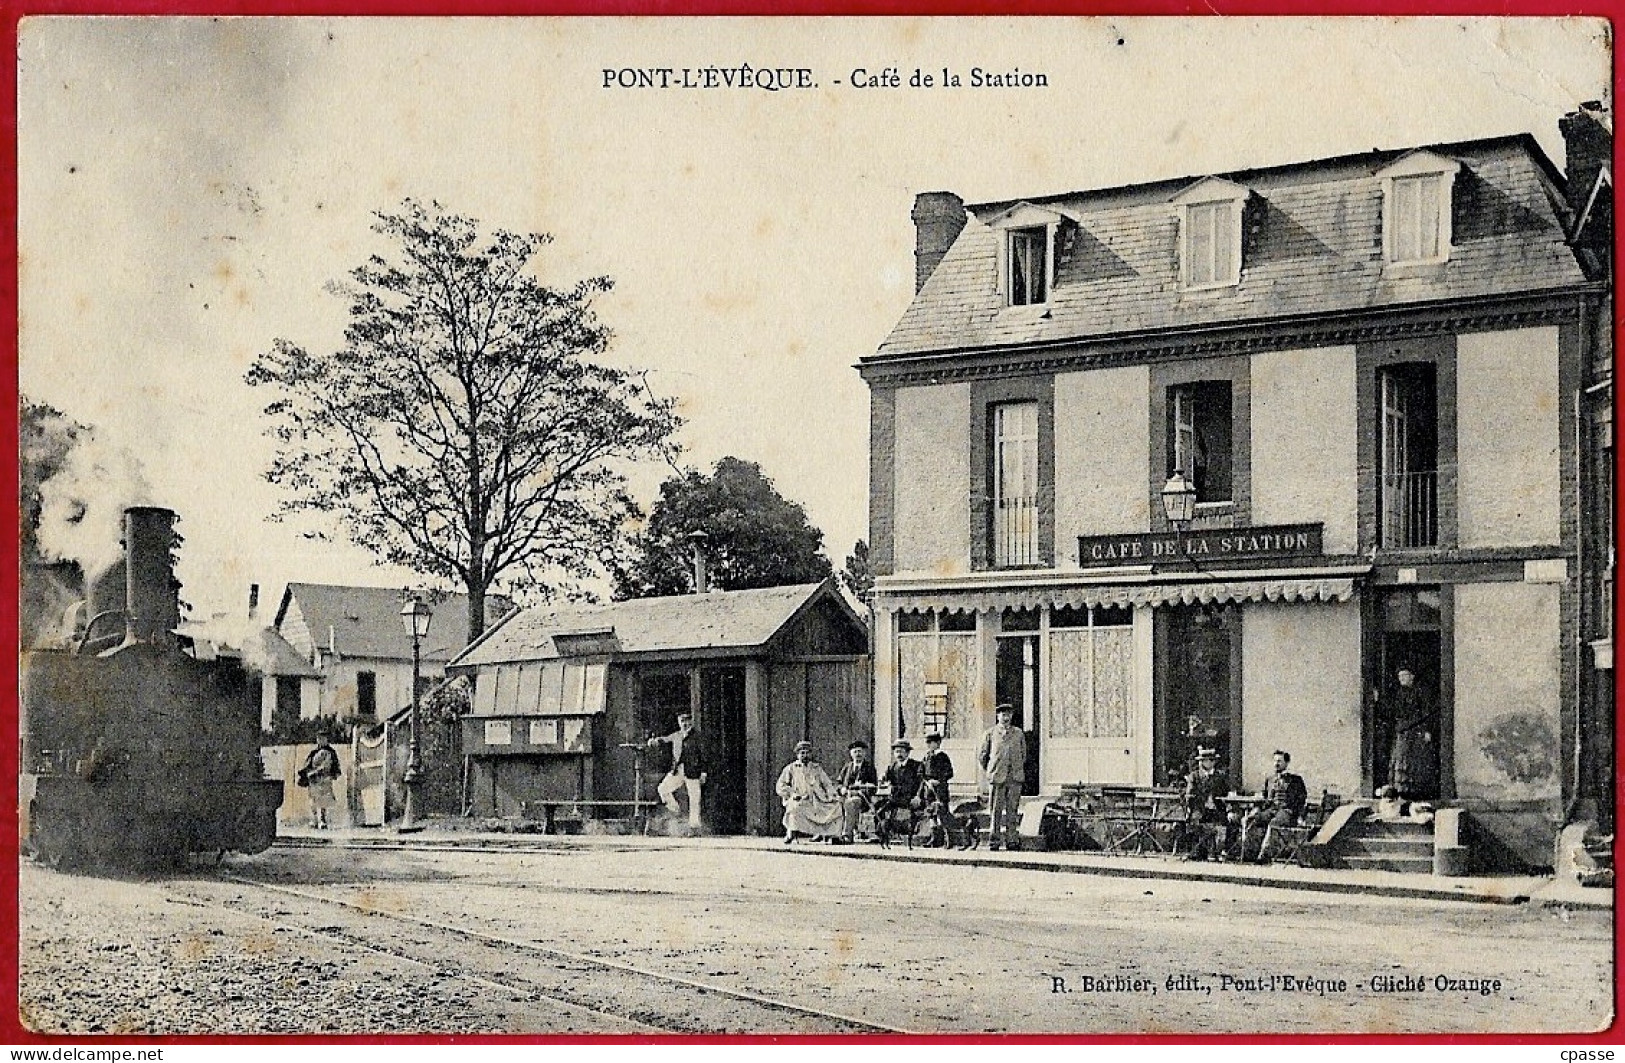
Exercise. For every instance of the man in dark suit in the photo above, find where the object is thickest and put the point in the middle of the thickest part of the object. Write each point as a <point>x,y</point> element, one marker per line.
<point>904,777</point>
<point>689,768</point>
<point>1209,828</point>
<point>857,784</point>
<point>938,770</point>
<point>1285,798</point>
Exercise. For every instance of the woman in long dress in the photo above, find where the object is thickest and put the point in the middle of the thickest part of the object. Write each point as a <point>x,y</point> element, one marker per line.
<point>812,806</point>
<point>1414,765</point>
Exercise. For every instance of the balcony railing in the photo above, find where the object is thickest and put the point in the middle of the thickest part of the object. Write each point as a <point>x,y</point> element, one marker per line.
<point>1015,532</point>
<point>1410,509</point>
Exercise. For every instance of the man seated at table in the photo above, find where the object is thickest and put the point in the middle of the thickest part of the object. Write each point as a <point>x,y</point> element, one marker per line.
<point>1209,831</point>
<point>857,783</point>
<point>1285,798</point>
<point>904,777</point>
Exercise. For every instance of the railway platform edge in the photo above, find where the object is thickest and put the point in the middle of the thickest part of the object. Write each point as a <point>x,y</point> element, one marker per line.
<point>1543,890</point>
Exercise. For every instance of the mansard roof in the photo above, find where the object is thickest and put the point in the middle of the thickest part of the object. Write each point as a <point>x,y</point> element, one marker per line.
<point>1314,245</point>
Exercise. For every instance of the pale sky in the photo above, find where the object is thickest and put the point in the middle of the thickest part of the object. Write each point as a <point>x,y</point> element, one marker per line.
<point>189,186</point>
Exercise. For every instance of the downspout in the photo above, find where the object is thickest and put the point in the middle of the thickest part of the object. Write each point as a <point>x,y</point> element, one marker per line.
<point>1583,591</point>
<point>1581,644</point>
<point>1581,466</point>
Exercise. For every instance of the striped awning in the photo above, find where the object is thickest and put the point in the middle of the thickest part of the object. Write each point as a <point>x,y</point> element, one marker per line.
<point>1118,594</point>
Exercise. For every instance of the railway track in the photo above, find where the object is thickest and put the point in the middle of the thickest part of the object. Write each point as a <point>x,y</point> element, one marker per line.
<point>588,994</point>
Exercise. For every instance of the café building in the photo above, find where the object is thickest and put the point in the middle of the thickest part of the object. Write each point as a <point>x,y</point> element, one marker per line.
<point>1207,461</point>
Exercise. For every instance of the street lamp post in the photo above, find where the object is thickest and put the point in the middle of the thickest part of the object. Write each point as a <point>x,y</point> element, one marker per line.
<point>415,614</point>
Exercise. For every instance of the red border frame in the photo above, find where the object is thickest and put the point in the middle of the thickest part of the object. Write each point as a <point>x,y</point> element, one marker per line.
<point>11,11</point>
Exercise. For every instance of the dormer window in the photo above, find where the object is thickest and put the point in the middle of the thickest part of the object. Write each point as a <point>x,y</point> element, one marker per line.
<point>1027,250</point>
<point>1210,234</point>
<point>1416,208</point>
<point>1029,266</point>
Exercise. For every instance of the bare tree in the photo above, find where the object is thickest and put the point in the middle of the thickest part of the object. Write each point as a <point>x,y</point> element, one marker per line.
<point>464,429</point>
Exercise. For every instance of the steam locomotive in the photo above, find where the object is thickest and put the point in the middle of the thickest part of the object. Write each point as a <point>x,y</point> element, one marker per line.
<point>136,750</point>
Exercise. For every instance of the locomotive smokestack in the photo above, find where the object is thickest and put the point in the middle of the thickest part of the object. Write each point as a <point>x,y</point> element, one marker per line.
<point>152,603</point>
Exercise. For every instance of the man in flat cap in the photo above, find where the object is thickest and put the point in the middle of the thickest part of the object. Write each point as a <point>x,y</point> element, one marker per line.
<point>1285,798</point>
<point>1003,757</point>
<point>811,805</point>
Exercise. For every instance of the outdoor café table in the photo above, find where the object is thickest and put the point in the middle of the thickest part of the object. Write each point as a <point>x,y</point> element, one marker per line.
<point>1120,821</point>
<point>1239,805</point>
<point>1140,819</point>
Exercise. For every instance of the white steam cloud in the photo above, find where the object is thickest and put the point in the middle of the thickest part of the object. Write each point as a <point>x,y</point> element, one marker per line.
<point>82,506</point>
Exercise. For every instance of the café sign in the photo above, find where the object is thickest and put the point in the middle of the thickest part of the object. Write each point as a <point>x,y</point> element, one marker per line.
<point>1263,543</point>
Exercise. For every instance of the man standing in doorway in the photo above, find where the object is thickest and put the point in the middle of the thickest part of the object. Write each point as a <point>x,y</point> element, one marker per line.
<point>1003,757</point>
<point>688,768</point>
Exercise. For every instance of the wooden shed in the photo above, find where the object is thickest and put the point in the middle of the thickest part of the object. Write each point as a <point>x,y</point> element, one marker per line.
<point>558,690</point>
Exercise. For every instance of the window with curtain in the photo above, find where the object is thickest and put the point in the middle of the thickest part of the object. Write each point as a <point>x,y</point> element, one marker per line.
<point>1200,441</point>
<point>1414,218</point>
<point>1091,655</point>
<point>937,655</point>
<point>1028,251</point>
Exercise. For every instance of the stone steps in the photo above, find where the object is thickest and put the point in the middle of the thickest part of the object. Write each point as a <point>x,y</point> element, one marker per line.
<point>1377,846</point>
<point>1418,865</point>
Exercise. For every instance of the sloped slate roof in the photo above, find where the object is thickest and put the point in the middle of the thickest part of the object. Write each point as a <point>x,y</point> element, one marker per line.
<point>277,657</point>
<point>1316,248</point>
<point>720,620</point>
<point>366,621</point>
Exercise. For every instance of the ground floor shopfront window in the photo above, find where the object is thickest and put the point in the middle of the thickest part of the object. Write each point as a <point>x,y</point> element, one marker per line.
<point>1072,676</point>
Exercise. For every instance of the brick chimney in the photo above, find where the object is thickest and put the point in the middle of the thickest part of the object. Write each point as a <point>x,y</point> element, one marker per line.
<point>939,218</point>
<point>1588,141</point>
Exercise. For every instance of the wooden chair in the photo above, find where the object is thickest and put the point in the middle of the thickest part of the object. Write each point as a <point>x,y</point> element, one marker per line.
<point>1287,842</point>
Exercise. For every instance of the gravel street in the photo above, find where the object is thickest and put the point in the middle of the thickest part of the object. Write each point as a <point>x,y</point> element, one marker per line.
<point>802,943</point>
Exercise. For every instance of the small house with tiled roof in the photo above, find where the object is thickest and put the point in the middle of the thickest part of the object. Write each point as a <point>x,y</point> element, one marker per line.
<point>354,639</point>
<point>1204,462</point>
<point>563,694</point>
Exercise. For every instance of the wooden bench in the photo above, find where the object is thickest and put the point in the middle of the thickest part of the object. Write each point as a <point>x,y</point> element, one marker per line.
<point>551,808</point>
